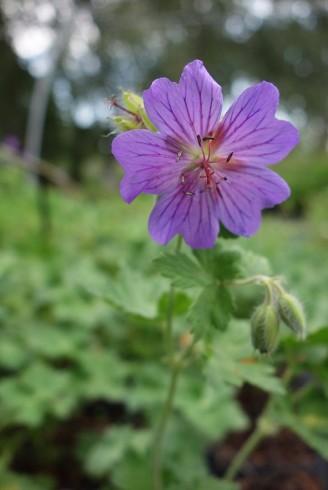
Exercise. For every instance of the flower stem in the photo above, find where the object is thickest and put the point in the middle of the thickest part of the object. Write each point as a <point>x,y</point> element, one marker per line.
<point>164,418</point>
<point>243,453</point>
<point>176,366</point>
<point>170,309</point>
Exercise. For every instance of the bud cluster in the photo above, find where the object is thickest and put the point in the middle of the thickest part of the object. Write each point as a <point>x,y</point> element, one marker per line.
<point>277,306</point>
<point>132,114</point>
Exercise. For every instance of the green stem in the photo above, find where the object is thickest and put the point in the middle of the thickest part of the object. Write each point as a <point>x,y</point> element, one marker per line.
<point>164,418</point>
<point>260,279</point>
<point>264,427</point>
<point>176,366</point>
<point>243,453</point>
<point>168,326</point>
<point>170,310</point>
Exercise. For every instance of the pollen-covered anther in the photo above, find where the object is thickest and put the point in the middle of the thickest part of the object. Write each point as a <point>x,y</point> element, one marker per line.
<point>179,155</point>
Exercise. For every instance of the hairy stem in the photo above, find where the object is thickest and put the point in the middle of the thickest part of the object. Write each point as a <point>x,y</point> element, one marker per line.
<point>176,366</point>
<point>264,427</point>
<point>160,432</point>
<point>243,453</point>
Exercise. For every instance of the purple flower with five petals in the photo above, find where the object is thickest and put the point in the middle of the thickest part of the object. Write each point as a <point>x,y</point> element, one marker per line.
<point>205,169</point>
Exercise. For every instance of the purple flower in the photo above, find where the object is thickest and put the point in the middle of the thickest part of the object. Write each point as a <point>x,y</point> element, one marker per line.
<point>205,169</point>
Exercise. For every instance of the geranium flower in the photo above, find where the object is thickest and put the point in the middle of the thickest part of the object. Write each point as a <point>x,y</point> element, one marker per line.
<point>205,169</point>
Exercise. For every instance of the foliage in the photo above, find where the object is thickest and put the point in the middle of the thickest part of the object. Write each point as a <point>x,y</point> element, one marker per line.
<point>83,370</point>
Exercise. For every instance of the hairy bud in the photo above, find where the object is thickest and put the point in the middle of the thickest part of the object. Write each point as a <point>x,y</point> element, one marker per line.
<point>265,328</point>
<point>292,314</point>
<point>132,114</point>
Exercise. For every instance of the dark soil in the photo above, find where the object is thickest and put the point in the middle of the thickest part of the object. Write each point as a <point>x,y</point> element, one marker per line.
<point>280,462</point>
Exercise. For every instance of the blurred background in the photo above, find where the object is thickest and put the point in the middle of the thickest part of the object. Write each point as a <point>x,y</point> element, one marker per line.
<point>63,355</point>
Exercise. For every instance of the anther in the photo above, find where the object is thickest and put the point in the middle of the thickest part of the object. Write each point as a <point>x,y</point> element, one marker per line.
<point>208,138</point>
<point>229,157</point>
<point>179,155</point>
<point>199,139</point>
<point>182,179</point>
<point>221,180</point>
<point>189,193</point>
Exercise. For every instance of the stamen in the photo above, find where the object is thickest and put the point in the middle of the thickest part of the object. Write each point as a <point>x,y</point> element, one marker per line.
<point>208,138</point>
<point>179,155</point>
<point>229,157</point>
<point>189,193</point>
<point>221,179</point>
<point>199,139</point>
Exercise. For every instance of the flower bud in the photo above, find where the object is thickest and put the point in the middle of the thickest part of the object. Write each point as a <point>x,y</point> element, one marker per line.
<point>132,114</point>
<point>265,328</point>
<point>292,314</point>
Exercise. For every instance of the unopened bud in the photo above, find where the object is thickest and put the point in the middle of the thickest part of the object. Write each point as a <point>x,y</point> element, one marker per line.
<point>265,328</point>
<point>132,114</point>
<point>292,314</point>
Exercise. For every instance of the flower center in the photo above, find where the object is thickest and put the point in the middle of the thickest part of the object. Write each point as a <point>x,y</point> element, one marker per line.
<point>203,173</point>
<point>205,162</point>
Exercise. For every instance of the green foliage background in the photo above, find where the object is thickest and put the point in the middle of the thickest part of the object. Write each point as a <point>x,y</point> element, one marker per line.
<point>81,336</point>
<point>83,300</point>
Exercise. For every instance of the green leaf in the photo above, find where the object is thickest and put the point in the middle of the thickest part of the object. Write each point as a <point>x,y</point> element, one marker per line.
<point>134,293</point>
<point>134,472</point>
<point>211,309</point>
<point>181,303</point>
<point>105,374</point>
<point>221,264</point>
<point>233,361</point>
<point>39,390</point>
<point>308,421</point>
<point>210,411</point>
<point>112,447</point>
<point>182,270</point>
<point>253,264</point>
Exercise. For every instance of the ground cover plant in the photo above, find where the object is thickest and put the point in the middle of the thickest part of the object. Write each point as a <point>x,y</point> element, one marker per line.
<point>94,318</point>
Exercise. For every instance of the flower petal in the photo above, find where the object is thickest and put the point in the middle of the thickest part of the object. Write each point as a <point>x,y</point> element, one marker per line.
<point>149,160</point>
<point>247,191</point>
<point>186,109</point>
<point>195,217</point>
<point>250,131</point>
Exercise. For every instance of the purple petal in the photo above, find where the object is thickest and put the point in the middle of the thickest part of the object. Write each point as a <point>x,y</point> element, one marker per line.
<point>247,191</point>
<point>250,131</point>
<point>149,161</point>
<point>186,109</point>
<point>195,217</point>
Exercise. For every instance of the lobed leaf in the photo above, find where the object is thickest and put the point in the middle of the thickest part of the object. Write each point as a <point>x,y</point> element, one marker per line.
<point>182,270</point>
<point>212,308</point>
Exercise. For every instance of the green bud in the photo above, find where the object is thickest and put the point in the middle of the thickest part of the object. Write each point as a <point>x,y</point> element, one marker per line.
<point>125,123</point>
<point>292,314</point>
<point>132,102</point>
<point>132,114</point>
<point>265,328</point>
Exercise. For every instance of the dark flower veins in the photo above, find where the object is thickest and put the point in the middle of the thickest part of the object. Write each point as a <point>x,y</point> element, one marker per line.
<point>205,169</point>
